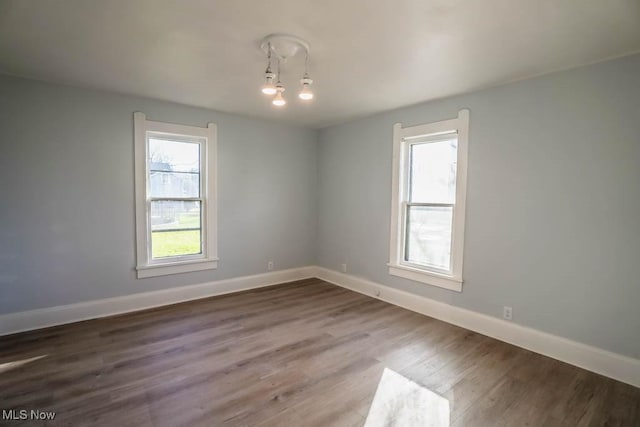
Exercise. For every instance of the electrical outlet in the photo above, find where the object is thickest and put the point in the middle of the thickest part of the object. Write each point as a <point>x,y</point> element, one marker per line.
<point>344,268</point>
<point>507,312</point>
<point>270,265</point>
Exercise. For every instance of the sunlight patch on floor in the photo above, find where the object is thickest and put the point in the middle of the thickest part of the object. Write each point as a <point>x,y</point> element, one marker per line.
<point>4,367</point>
<point>401,402</point>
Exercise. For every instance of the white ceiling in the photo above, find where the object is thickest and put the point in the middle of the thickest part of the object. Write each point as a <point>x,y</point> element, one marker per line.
<point>366,55</point>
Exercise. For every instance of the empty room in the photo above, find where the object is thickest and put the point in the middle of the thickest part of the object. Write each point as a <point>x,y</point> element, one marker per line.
<point>341,213</point>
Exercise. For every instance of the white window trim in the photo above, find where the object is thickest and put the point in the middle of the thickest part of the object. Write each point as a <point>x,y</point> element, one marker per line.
<point>146,266</point>
<point>402,138</point>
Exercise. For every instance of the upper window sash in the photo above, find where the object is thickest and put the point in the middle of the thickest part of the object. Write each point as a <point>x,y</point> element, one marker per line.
<point>409,143</point>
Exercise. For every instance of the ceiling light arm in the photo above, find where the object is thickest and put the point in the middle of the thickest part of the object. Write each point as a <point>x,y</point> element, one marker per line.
<point>306,63</point>
<point>278,74</point>
<point>306,94</point>
<point>268,88</point>
<point>279,100</point>
<point>268,70</point>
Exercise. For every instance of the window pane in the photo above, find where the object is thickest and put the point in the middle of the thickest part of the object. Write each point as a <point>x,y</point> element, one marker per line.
<point>174,184</point>
<point>174,168</point>
<point>175,228</point>
<point>433,172</point>
<point>428,240</point>
<point>178,155</point>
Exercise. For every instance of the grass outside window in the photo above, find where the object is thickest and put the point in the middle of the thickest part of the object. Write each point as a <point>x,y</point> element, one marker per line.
<point>178,242</point>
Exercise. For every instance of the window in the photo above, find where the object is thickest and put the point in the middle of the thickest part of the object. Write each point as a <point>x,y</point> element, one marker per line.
<point>175,197</point>
<point>429,192</point>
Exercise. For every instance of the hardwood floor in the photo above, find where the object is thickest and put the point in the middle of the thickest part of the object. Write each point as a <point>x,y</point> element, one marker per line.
<point>301,354</point>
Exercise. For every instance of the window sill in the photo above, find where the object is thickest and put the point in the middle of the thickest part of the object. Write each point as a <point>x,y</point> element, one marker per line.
<point>145,271</point>
<point>433,279</point>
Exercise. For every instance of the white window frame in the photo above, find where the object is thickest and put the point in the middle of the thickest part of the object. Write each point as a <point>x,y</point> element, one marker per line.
<point>206,137</point>
<point>403,138</point>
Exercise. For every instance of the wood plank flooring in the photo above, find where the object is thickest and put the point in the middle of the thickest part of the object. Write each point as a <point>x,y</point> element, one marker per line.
<point>305,353</point>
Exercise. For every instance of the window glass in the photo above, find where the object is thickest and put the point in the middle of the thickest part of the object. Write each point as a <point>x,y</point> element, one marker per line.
<point>174,168</point>
<point>174,175</point>
<point>428,240</point>
<point>432,195</point>
<point>433,172</point>
<point>175,228</point>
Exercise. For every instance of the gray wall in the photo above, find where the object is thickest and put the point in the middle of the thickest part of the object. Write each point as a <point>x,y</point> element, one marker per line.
<point>553,198</point>
<point>67,194</point>
<point>553,212</point>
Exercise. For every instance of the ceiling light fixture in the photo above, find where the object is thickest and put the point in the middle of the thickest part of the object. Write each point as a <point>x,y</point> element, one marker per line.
<point>282,47</point>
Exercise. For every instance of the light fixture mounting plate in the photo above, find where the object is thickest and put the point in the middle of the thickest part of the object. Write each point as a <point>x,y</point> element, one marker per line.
<point>283,46</point>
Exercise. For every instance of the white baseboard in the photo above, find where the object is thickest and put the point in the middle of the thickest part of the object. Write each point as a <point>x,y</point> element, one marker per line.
<point>616,366</point>
<point>612,365</point>
<point>52,316</point>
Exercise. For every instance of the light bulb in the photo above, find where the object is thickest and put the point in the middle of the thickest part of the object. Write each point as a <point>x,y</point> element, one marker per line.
<point>269,88</point>
<point>279,100</point>
<point>306,94</point>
